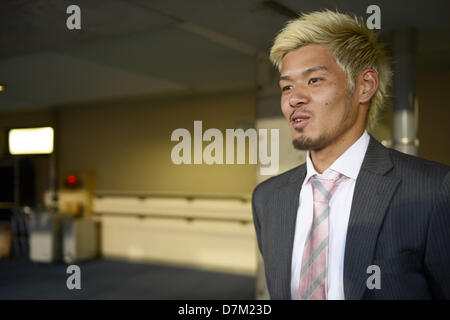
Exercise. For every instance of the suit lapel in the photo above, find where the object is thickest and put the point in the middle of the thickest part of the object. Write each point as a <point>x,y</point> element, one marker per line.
<point>371,198</point>
<point>286,206</point>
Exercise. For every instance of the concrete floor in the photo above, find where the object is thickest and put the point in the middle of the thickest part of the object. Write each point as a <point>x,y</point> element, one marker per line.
<point>113,279</point>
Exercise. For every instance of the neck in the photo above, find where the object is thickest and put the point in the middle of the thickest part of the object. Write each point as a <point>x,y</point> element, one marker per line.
<point>323,158</point>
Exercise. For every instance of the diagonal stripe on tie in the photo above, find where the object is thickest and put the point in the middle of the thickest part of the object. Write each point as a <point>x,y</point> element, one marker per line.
<point>322,189</point>
<point>314,255</point>
<point>317,222</point>
<point>318,281</point>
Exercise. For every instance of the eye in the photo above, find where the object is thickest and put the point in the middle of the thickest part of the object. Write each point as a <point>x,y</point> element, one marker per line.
<point>286,88</point>
<point>314,80</point>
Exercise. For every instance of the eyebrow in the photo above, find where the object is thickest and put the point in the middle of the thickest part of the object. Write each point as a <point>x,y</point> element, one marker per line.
<point>306,72</point>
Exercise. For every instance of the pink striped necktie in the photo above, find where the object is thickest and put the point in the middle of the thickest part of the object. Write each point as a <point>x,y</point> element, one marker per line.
<point>313,276</point>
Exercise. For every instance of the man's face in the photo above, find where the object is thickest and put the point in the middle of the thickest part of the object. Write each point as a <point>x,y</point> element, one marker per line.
<point>315,97</point>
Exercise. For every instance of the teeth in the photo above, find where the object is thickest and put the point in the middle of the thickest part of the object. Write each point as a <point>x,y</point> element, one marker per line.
<point>298,120</point>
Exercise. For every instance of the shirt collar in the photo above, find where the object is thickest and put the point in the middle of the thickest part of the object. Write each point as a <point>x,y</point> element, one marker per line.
<point>348,164</point>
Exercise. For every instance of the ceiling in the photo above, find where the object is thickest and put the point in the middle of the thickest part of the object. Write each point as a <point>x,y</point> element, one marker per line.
<point>141,48</point>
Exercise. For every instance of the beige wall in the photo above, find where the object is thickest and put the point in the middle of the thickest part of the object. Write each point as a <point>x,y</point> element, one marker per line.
<point>128,146</point>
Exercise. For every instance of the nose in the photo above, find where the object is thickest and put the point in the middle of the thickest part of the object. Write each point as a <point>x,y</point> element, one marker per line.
<point>298,97</point>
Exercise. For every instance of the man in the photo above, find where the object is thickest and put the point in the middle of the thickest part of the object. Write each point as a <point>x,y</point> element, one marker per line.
<point>357,220</point>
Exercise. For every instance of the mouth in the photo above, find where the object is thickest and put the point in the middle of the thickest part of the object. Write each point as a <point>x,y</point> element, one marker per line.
<point>299,121</point>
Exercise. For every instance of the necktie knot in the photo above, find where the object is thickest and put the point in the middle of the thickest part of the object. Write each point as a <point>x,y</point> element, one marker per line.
<point>324,187</point>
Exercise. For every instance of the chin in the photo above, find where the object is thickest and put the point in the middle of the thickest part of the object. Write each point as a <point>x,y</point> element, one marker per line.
<point>306,142</point>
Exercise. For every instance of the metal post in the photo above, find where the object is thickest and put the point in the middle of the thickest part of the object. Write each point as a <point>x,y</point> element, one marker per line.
<point>404,122</point>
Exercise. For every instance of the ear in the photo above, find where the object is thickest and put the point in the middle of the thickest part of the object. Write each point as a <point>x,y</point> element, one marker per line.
<point>367,85</point>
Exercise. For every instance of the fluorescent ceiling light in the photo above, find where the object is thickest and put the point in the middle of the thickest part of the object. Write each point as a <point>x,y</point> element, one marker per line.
<point>31,141</point>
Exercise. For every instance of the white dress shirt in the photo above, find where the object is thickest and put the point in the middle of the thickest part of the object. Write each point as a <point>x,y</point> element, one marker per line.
<point>348,164</point>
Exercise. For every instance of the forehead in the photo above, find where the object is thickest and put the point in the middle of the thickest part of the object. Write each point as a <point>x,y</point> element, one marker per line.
<point>308,56</point>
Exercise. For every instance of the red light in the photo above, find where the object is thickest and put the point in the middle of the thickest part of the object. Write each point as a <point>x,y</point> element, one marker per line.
<point>71,179</point>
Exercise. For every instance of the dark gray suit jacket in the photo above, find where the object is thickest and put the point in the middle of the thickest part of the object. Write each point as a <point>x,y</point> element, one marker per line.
<point>399,220</point>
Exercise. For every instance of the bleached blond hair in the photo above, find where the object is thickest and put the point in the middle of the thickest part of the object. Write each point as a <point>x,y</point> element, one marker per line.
<point>354,47</point>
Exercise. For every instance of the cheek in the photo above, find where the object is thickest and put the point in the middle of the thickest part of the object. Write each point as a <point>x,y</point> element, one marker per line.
<point>324,100</point>
<point>328,114</point>
<point>325,109</point>
<point>334,101</point>
<point>285,108</point>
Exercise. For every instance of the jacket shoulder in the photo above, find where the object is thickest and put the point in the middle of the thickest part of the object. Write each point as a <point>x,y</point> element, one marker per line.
<point>268,186</point>
<point>418,168</point>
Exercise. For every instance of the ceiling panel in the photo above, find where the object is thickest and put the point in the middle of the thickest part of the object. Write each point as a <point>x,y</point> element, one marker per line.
<point>51,79</point>
<point>172,54</point>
